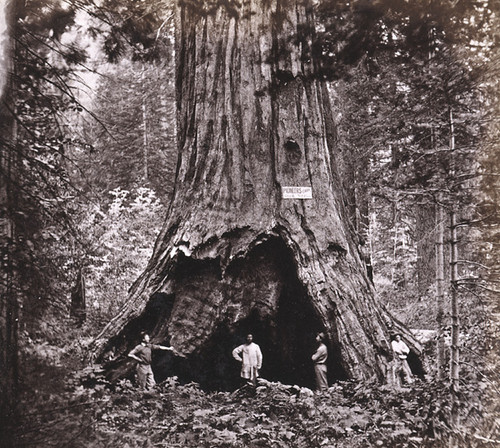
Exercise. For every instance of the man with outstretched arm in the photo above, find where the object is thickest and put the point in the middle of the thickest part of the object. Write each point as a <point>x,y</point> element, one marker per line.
<point>142,354</point>
<point>250,356</point>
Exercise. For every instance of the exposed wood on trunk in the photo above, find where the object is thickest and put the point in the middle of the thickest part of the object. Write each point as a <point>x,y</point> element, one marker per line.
<point>234,256</point>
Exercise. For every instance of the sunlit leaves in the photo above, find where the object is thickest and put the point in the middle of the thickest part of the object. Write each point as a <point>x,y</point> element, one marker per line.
<point>120,240</point>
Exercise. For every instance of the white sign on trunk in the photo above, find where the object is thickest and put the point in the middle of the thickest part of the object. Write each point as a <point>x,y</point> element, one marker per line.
<point>296,192</point>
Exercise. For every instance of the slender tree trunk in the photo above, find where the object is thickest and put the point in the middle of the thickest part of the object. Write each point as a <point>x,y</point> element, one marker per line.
<point>241,251</point>
<point>397,276</point>
<point>455,318</point>
<point>145,143</point>
<point>9,306</point>
<point>455,321</point>
<point>354,171</point>
<point>440,357</point>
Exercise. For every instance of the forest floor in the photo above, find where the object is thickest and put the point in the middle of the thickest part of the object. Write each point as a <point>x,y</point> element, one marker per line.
<point>64,406</point>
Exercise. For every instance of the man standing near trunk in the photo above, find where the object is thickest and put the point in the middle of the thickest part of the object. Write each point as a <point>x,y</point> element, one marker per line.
<point>142,354</point>
<point>250,356</point>
<point>319,358</point>
<point>401,350</point>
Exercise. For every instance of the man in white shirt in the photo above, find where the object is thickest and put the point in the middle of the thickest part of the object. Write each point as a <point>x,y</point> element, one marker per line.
<point>250,356</point>
<point>401,351</point>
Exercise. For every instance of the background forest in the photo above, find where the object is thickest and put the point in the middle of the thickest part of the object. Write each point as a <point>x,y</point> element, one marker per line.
<point>87,169</point>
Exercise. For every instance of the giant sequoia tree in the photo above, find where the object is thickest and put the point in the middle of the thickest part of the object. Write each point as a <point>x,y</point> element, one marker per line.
<point>236,254</point>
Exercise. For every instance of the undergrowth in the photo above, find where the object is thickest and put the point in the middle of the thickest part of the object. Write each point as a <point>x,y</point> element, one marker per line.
<point>84,410</point>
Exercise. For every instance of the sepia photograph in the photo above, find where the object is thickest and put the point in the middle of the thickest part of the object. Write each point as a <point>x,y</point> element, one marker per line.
<point>250,223</point>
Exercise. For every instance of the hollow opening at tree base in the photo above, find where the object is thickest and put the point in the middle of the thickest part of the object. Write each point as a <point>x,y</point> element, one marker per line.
<point>286,336</point>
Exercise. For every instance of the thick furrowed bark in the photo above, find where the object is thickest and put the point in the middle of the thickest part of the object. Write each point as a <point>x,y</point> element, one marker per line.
<point>263,287</point>
<point>234,256</point>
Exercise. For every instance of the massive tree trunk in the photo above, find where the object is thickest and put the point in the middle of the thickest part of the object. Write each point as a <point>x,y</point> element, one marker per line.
<point>235,254</point>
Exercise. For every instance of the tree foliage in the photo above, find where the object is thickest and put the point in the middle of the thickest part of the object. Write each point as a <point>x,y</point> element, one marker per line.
<point>42,93</point>
<point>57,176</point>
<point>120,239</point>
<point>422,63</point>
<point>132,145</point>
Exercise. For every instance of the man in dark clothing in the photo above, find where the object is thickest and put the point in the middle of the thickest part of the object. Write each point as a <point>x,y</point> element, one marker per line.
<point>142,354</point>
<point>319,358</point>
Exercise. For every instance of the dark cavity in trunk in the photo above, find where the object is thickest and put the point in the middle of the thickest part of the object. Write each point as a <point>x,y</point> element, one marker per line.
<point>286,335</point>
